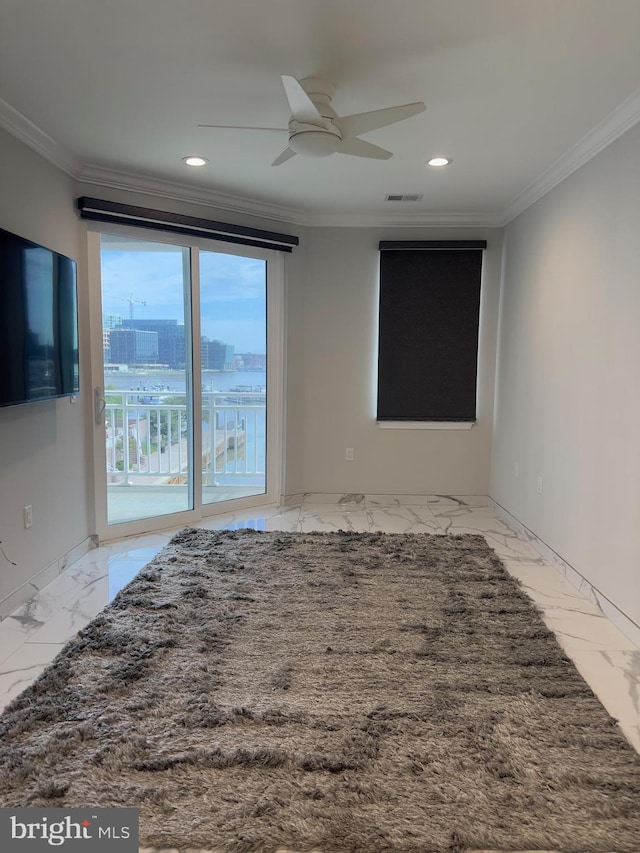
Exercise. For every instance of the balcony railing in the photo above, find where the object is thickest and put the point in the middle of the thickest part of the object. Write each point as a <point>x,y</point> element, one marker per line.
<point>147,437</point>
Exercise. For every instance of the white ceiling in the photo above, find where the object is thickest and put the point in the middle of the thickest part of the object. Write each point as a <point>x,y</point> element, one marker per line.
<point>518,92</point>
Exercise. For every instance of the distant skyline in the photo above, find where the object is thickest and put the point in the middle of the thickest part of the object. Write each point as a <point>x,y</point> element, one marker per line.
<point>233,291</point>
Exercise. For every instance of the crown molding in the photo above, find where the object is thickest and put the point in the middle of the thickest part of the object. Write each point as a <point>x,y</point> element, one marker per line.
<point>623,118</point>
<point>404,220</point>
<point>18,125</point>
<point>132,182</point>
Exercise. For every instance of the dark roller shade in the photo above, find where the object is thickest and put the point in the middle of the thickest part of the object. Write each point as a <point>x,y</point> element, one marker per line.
<point>100,210</point>
<point>428,334</point>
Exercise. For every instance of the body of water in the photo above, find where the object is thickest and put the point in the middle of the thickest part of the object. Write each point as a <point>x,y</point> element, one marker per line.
<point>175,380</point>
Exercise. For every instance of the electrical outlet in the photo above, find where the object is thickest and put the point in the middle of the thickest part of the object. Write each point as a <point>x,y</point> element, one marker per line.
<point>28,516</point>
<point>539,484</point>
<point>349,454</point>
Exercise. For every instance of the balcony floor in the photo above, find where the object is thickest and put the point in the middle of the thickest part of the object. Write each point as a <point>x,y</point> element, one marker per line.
<point>127,503</point>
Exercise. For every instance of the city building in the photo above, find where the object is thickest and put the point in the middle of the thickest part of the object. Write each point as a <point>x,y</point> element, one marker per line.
<point>217,355</point>
<point>252,360</point>
<point>170,336</point>
<point>109,322</point>
<point>133,346</point>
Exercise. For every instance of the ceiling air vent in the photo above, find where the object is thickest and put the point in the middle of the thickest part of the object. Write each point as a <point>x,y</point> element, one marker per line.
<point>406,197</point>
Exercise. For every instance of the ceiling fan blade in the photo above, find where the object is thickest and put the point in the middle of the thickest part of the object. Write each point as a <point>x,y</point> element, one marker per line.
<point>302,107</point>
<point>285,155</point>
<point>360,148</point>
<point>242,127</point>
<point>364,122</point>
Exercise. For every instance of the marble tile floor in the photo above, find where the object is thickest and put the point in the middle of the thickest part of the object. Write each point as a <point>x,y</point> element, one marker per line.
<point>32,636</point>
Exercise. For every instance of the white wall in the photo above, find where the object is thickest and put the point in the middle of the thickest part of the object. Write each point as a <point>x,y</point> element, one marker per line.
<point>43,446</point>
<point>568,400</point>
<point>339,323</point>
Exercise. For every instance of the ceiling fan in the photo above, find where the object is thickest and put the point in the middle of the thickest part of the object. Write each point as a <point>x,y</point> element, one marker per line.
<point>316,130</point>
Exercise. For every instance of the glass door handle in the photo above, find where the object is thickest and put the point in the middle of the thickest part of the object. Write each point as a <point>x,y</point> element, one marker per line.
<point>100,404</point>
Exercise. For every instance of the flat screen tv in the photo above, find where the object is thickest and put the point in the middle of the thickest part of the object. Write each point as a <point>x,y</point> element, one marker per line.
<point>38,323</point>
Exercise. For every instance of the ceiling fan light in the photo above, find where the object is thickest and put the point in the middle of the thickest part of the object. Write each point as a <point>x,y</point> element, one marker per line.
<point>314,143</point>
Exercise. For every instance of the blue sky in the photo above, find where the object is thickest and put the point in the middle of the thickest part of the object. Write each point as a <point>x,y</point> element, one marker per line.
<point>232,291</point>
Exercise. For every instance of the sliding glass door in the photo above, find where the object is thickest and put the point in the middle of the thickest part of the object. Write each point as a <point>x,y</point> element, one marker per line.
<point>233,318</point>
<point>188,401</point>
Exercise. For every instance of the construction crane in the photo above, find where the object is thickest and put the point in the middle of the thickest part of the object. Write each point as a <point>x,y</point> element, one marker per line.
<point>131,302</point>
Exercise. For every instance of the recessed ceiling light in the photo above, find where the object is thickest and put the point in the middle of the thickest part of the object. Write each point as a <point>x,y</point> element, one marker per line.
<point>195,161</point>
<point>439,161</point>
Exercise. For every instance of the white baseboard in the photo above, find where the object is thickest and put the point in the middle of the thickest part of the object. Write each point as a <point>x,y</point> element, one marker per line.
<point>26,592</point>
<point>292,500</point>
<point>607,607</point>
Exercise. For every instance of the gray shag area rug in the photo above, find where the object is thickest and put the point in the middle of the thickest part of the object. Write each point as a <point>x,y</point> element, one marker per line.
<point>351,692</point>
